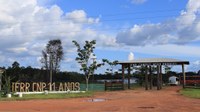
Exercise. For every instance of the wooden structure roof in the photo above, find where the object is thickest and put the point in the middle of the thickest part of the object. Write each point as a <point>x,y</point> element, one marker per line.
<point>155,61</point>
<point>148,63</point>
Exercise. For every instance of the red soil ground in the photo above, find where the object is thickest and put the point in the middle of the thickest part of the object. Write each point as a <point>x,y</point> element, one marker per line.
<point>165,100</point>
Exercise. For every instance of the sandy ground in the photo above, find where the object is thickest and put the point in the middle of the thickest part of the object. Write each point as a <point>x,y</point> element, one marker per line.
<point>165,100</point>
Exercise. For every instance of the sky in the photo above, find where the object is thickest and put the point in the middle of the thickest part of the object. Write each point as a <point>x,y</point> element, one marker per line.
<point>147,28</point>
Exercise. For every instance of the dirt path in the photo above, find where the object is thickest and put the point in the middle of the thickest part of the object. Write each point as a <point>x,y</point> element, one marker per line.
<point>166,100</point>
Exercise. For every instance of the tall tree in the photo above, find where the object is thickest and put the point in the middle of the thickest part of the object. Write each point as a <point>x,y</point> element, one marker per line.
<point>83,58</point>
<point>15,71</point>
<point>15,64</point>
<point>52,56</point>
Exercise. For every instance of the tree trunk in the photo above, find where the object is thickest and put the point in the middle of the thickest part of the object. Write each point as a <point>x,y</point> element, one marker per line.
<point>158,77</point>
<point>150,77</point>
<point>87,82</point>
<point>51,68</point>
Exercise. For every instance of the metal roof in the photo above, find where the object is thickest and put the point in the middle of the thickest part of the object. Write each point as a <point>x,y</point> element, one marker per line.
<point>155,61</point>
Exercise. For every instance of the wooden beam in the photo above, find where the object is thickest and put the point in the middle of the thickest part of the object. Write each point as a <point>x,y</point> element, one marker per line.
<point>161,82</point>
<point>146,78</point>
<point>183,71</point>
<point>123,75</point>
<point>129,73</point>
<point>150,77</point>
<point>158,77</point>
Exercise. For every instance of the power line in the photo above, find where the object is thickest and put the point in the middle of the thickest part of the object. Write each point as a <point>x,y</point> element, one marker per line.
<point>103,20</point>
<point>49,23</point>
<point>143,12</point>
<point>111,15</point>
<point>82,30</point>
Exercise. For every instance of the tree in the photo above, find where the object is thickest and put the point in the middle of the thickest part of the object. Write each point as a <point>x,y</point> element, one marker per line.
<point>7,83</point>
<point>167,68</point>
<point>112,64</point>
<point>140,74</point>
<point>83,59</point>
<point>14,71</point>
<point>15,64</point>
<point>52,56</point>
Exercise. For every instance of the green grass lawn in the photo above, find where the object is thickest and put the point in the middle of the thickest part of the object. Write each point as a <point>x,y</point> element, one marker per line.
<point>48,96</point>
<point>189,92</point>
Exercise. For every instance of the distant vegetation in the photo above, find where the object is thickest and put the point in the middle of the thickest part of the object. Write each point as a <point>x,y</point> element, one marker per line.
<point>19,73</point>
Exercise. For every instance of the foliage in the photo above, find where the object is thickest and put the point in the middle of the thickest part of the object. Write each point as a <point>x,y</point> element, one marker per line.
<point>52,56</point>
<point>69,77</point>
<point>14,71</point>
<point>140,74</point>
<point>29,74</point>
<point>1,72</point>
<point>167,68</point>
<point>7,83</point>
<point>83,58</point>
<point>112,64</point>
<point>193,93</point>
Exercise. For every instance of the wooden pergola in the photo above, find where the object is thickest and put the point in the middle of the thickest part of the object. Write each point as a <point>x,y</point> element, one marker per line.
<point>148,63</point>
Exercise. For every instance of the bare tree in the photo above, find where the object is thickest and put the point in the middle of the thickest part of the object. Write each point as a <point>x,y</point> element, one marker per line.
<point>52,56</point>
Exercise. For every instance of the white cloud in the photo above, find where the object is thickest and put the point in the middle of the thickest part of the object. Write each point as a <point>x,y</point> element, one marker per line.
<point>67,60</point>
<point>2,58</point>
<point>138,1</point>
<point>79,16</point>
<point>183,29</point>
<point>170,50</point>
<point>26,26</point>
<point>197,62</point>
<point>146,34</point>
<point>18,50</point>
<point>194,66</point>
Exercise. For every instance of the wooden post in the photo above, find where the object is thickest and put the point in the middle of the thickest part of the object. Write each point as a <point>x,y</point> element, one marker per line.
<point>183,71</point>
<point>123,75</point>
<point>150,77</point>
<point>146,78</point>
<point>105,85</point>
<point>129,72</point>
<point>158,78</point>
